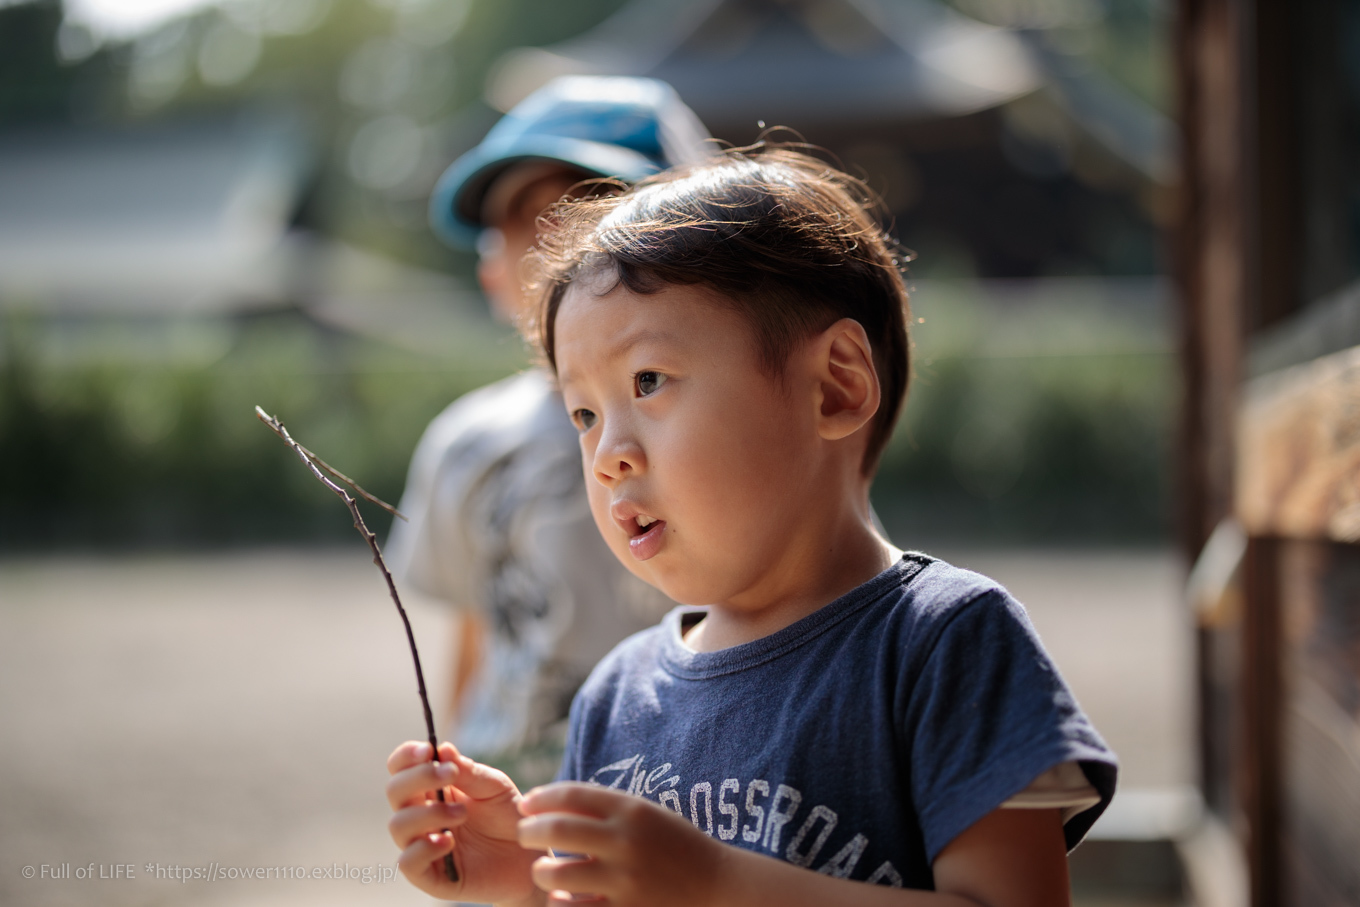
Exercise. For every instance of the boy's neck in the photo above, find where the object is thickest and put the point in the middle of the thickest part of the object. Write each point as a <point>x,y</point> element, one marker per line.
<point>829,563</point>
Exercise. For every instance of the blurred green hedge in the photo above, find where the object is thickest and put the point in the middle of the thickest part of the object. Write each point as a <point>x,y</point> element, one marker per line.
<point>1039,413</point>
<point>1042,450</point>
<point>139,451</point>
<point>1003,441</point>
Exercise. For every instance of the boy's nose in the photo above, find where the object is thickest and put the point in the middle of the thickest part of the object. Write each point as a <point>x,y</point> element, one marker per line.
<point>618,456</point>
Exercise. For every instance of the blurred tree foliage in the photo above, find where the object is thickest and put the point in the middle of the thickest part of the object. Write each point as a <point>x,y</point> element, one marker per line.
<point>36,86</point>
<point>1128,39</point>
<point>391,90</point>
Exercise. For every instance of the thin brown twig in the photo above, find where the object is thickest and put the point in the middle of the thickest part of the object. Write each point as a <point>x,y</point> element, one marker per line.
<point>315,464</point>
<point>352,484</point>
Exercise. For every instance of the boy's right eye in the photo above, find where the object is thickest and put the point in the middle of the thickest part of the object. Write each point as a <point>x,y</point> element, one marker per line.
<point>583,419</point>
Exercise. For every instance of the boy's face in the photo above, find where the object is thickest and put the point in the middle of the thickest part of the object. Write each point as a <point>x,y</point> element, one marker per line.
<point>516,219</point>
<point>698,464</point>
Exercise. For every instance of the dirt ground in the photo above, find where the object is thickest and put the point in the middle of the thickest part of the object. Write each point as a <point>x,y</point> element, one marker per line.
<point>180,718</point>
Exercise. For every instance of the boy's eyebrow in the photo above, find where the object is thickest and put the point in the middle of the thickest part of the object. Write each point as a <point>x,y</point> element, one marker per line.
<point>634,338</point>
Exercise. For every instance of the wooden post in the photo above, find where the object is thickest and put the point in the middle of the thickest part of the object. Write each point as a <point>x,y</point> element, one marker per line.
<point>1209,253</point>
<point>1258,782</point>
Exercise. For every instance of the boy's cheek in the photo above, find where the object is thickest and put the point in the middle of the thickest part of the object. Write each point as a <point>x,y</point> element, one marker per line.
<point>594,487</point>
<point>599,509</point>
<point>609,531</point>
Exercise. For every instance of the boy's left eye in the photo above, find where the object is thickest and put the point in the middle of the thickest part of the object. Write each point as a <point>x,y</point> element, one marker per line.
<point>647,383</point>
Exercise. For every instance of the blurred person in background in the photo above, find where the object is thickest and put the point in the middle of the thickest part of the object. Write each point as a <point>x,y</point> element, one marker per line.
<point>499,523</point>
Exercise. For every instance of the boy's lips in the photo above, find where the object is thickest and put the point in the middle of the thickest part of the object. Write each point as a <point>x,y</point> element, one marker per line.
<point>648,543</point>
<point>631,518</point>
<point>644,531</point>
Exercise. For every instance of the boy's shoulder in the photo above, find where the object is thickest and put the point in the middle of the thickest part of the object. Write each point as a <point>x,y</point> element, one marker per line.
<point>936,588</point>
<point>938,593</point>
<point>517,417</point>
<point>522,405</point>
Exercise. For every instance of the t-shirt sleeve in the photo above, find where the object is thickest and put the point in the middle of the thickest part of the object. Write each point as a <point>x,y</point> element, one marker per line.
<point>1063,787</point>
<point>985,715</point>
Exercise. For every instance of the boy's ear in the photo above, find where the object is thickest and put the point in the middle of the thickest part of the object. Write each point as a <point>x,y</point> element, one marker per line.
<point>848,393</point>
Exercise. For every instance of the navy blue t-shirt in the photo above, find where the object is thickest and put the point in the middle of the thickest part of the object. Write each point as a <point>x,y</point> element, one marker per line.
<point>857,742</point>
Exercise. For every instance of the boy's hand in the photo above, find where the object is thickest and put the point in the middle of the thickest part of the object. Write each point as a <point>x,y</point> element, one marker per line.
<point>481,814</point>
<point>635,853</point>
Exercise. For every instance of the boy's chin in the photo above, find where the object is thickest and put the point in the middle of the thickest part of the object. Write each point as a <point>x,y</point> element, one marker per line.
<point>675,585</point>
<point>683,578</point>
<point>682,592</point>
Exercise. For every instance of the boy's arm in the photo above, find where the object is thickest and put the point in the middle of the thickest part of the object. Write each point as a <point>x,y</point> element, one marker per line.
<point>640,853</point>
<point>477,824</point>
<point>469,644</point>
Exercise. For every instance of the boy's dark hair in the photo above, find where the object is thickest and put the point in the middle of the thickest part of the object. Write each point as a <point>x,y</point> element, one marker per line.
<point>787,241</point>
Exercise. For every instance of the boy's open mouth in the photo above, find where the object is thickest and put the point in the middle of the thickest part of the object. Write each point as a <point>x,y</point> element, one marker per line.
<point>644,531</point>
<point>645,536</point>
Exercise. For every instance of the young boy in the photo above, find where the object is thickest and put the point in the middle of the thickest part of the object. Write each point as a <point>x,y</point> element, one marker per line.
<point>731,344</point>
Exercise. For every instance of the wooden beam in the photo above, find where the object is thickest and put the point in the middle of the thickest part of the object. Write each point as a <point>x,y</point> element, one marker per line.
<point>1298,464</point>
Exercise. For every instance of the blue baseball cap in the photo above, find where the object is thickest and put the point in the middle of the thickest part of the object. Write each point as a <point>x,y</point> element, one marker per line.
<point>610,126</point>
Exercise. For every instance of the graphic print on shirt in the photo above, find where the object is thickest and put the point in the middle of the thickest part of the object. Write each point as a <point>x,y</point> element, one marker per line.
<point>769,817</point>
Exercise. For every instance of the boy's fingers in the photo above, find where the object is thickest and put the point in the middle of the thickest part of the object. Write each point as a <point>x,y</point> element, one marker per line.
<point>410,753</point>
<point>414,752</point>
<point>567,897</point>
<point>574,797</point>
<point>406,825</point>
<point>581,877</point>
<point>422,862</point>
<point>567,832</point>
<point>482,782</point>
<point>415,785</point>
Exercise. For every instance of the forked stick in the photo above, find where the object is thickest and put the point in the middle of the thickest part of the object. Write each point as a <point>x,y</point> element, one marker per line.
<point>315,464</point>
